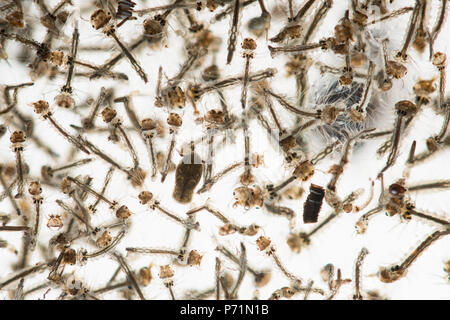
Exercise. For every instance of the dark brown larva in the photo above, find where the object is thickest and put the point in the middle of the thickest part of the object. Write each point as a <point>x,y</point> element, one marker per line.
<point>313,203</point>
<point>187,176</point>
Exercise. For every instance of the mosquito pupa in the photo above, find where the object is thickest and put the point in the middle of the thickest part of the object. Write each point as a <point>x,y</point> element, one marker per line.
<point>188,174</point>
<point>313,204</point>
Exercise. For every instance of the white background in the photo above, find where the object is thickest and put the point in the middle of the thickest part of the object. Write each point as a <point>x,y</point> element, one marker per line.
<point>387,239</point>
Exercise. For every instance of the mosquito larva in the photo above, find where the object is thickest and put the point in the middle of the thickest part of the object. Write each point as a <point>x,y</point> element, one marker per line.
<point>148,126</point>
<point>249,45</point>
<point>14,228</point>
<point>217,269</point>
<point>112,204</point>
<point>412,212</point>
<point>47,172</point>
<point>166,274</point>
<point>99,72</point>
<point>304,171</point>
<point>396,272</point>
<point>233,31</point>
<point>83,255</point>
<point>174,120</point>
<point>292,108</point>
<point>298,48</point>
<point>242,270</point>
<point>42,107</point>
<point>439,60</point>
<point>146,197</point>
<point>444,184</point>
<point>359,262</point>
<point>420,39</point>
<point>176,4</point>
<point>100,20</point>
<point>401,55</point>
<point>280,210</point>
<point>338,169</point>
<point>320,14</point>
<point>393,14</point>
<point>35,191</point>
<point>404,108</point>
<point>301,13</point>
<point>67,88</point>
<point>264,244</point>
<point>261,278</point>
<point>89,122</point>
<point>12,104</point>
<point>29,271</point>
<point>360,107</point>
<point>247,177</point>
<point>208,185</point>
<point>197,92</point>
<point>17,139</point>
<point>108,115</point>
<point>130,274</point>
<point>10,196</point>
<point>336,286</point>
<point>437,27</point>
<point>75,214</point>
